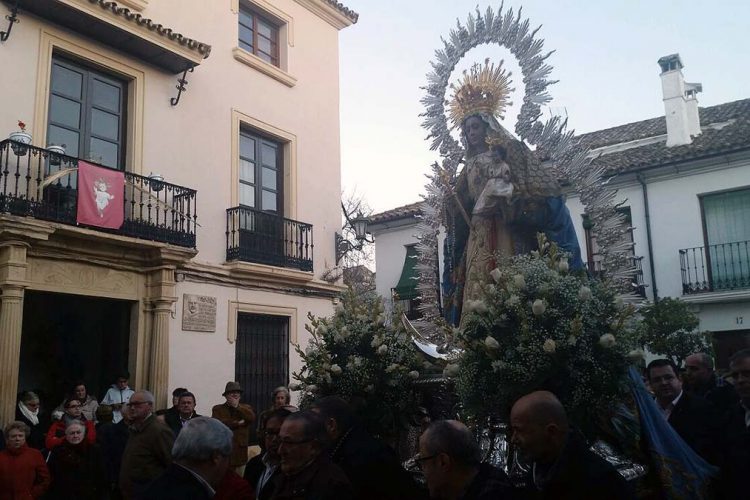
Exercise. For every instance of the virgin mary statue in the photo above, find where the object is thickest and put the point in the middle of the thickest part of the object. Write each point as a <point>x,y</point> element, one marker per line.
<point>503,195</point>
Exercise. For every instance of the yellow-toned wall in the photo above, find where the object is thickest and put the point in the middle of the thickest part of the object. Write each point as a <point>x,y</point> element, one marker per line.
<point>191,145</point>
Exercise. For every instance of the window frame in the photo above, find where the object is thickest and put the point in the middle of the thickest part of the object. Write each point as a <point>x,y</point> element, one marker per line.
<point>258,18</point>
<point>258,164</point>
<point>86,101</point>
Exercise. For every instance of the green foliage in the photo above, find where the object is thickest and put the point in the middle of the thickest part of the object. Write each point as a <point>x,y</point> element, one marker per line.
<point>356,355</point>
<point>670,329</point>
<point>540,326</point>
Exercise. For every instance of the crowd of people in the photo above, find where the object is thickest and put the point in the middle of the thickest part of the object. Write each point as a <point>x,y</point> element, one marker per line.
<point>123,448</point>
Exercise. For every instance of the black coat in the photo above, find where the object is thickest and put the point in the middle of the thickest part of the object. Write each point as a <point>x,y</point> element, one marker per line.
<point>736,440</point>
<point>490,484</point>
<point>373,468</point>
<point>321,480</point>
<point>112,439</point>
<point>697,422</point>
<point>38,432</point>
<point>176,483</point>
<point>172,419</point>
<point>579,474</point>
<point>253,470</point>
<point>78,473</point>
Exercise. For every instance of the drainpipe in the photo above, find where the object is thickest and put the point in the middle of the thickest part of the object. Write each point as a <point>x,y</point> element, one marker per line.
<point>642,181</point>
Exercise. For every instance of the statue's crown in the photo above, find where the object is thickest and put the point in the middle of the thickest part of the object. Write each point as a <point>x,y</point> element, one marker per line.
<point>483,89</point>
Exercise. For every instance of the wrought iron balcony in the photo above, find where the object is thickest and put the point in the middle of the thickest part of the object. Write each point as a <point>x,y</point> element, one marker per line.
<point>596,269</point>
<point>154,210</point>
<point>266,238</point>
<point>715,267</point>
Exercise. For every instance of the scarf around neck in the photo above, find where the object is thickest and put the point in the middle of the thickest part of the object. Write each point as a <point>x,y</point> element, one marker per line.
<point>33,416</point>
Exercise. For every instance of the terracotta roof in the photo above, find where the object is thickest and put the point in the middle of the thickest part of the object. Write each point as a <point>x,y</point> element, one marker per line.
<point>725,128</point>
<point>202,48</point>
<point>344,10</point>
<point>404,212</point>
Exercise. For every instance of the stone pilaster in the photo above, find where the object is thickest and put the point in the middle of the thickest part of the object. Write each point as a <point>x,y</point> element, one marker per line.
<point>162,297</point>
<point>12,285</point>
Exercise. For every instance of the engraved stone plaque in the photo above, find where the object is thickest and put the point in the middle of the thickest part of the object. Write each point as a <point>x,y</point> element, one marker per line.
<point>198,313</point>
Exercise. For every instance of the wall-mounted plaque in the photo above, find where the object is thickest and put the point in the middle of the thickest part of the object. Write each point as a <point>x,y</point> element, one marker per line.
<point>198,313</point>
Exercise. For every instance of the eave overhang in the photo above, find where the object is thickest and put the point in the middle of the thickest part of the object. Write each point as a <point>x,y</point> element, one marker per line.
<point>123,29</point>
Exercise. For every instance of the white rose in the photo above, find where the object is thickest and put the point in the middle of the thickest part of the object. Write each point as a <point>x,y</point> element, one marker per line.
<point>322,329</point>
<point>476,306</point>
<point>451,370</point>
<point>584,293</point>
<point>414,374</point>
<point>311,388</point>
<point>498,365</point>
<point>294,386</point>
<point>336,369</point>
<point>496,275</point>
<point>636,355</point>
<point>382,349</point>
<point>391,368</point>
<point>370,388</point>
<point>607,340</point>
<point>538,307</point>
<point>309,350</point>
<point>563,266</point>
<point>519,281</point>
<point>549,346</point>
<point>572,340</point>
<point>491,343</point>
<point>513,300</point>
<point>393,382</point>
<point>376,341</point>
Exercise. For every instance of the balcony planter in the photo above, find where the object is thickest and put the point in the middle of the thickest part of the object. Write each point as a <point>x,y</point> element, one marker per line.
<point>55,152</point>
<point>22,137</point>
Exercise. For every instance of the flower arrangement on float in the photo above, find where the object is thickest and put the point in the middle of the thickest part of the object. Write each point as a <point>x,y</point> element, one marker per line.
<point>363,358</point>
<point>542,326</point>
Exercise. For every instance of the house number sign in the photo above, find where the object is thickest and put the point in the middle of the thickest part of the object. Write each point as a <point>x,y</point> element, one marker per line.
<point>198,313</point>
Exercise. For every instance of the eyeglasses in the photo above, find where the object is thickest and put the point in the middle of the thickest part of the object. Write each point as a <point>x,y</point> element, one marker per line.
<point>419,460</point>
<point>289,442</point>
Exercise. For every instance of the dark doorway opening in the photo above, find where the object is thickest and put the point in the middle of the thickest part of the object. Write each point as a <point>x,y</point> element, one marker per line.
<point>261,357</point>
<point>727,343</point>
<point>72,337</point>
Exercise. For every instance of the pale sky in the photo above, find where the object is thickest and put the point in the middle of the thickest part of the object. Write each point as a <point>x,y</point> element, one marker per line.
<point>605,59</point>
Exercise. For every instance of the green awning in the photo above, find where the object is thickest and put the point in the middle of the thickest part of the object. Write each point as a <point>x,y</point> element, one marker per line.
<point>406,288</point>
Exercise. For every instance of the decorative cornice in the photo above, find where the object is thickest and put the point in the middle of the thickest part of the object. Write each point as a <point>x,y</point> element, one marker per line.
<point>331,11</point>
<point>136,18</point>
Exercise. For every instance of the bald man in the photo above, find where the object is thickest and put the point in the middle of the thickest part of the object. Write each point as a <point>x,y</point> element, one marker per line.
<point>450,459</point>
<point>563,467</point>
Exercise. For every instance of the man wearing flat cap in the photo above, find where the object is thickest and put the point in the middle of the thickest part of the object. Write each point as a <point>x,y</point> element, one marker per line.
<point>240,418</point>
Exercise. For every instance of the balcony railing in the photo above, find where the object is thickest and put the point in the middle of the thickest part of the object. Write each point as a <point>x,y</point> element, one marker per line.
<point>715,267</point>
<point>265,238</point>
<point>639,287</point>
<point>154,210</point>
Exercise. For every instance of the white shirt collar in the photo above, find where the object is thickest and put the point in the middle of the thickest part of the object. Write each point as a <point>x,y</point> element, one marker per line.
<point>676,400</point>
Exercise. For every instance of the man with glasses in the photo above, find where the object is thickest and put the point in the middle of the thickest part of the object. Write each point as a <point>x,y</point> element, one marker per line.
<point>263,468</point>
<point>736,470</point>
<point>450,459</point>
<point>148,452</point>
<point>307,472</point>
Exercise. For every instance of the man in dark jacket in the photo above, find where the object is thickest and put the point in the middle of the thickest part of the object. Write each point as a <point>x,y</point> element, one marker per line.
<point>736,439</point>
<point>450,457</point>
<point>701,380</point>
<point>306,471</point>
<point>201,459</point>
<point>185,412</point>
<point>562,465</point>
<point>695,419</point>
<point>264,467</point>
<point>372,466</point>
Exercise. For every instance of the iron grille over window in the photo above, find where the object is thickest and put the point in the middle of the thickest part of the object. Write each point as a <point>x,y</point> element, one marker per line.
<point>261,357</point>
<point>258,35</point>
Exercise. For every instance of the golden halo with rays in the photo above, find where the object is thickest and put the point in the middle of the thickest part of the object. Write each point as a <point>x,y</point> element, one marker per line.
<point>483,89</point>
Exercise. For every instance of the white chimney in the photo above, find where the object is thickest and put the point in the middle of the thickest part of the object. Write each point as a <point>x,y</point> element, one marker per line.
<point>680,102</point>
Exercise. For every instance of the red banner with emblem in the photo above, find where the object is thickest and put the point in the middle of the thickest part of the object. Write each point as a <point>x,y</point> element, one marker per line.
<point>100,196</point>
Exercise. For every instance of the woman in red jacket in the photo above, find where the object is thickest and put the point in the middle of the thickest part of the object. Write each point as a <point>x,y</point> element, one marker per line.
<point>23,473</point>
<point>56,432</point>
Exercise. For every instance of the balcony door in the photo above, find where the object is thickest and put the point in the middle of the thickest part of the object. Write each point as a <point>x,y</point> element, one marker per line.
<point>726,219</point>
<point>87,113</point>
